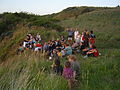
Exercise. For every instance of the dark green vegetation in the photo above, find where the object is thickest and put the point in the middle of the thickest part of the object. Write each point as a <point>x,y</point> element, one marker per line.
<point>31,72</point>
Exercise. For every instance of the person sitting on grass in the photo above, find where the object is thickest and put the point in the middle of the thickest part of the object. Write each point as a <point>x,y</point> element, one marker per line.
<point>75,66</point>
<point>68,49</point>
<point>54,55</point>
<point>62,38</point>
<point>25,42</point>
<point>84,51</point>
<point>45,47</point>
<point>86,38</point>
<point>76,32</point>
<point>92,34</point>
<point>38,47</point>
<point>93,52</point>
<point>91,40</point>
<point>63,52</point>
<point>68,74</point>
<point>82,39</point>
<point>59,53</point>
<point>75,47</point>
<point>82,46</point>
<point>56,67</point>
<point>78,37</point>
<point>38,37</point>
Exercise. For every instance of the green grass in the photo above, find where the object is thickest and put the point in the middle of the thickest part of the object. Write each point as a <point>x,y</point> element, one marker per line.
<point>10,44</point>
<point>101,73</point>
<point>32,72</point>
<point>29,72</point>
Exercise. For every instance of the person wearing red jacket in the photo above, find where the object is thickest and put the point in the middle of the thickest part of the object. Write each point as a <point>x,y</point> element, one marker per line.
<point>38,47</point>
<point>91,41</point>
<point>93,52</point>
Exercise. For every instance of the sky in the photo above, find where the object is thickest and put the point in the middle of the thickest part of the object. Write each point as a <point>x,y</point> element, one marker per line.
<point>43,7</point>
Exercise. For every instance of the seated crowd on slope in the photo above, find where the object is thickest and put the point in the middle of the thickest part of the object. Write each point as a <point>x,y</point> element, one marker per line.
<point>62,47</point>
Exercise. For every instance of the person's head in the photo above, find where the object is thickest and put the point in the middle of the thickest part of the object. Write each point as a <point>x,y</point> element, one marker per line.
<point>81,43</point>
<point>45,43</point>
<point>76,29</point>
<point>62,36</point>
<point>66,45</point>
<point>50,40</point>
<point>28,36</point>
<point>71,29</point>
<point>54,51</point>
<point>58,51</point>
<point>67,64</point>
<point>87,32</point>
<point>83,33</point>
<point>71,58</point>
<point>91,32</point>
<point>67,29</point>
<point>91,46</point>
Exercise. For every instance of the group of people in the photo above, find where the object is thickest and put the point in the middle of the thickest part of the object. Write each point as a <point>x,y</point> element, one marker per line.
<point>83,43</point>
<point>62,47</point>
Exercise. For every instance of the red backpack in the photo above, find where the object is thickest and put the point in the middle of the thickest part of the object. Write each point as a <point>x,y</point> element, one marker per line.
<point>96,53</point>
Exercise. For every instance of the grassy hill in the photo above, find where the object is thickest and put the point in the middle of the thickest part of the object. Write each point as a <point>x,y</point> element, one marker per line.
<point>105,24</point>
<point>74,12</point>
<point>32,72</point>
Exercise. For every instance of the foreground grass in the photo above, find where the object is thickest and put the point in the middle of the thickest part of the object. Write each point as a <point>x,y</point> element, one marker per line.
<point>101,73</point>
<point>32,72</point>
<point>29,73</point>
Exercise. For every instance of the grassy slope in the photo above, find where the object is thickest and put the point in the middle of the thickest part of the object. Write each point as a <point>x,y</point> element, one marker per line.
<point>25,72</point>
<point>105,23</point>
<point>10,43</point>
<point>76,11</point>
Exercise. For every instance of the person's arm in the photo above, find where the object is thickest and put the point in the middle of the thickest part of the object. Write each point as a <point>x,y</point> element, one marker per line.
<point>74,74</point>
<point>91,51</point>
<point>86,49</point>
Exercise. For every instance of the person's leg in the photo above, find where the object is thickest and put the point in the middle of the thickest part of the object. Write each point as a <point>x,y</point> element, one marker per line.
<point>90,55</point>
<point>70,82</point>
<point>84,52</point>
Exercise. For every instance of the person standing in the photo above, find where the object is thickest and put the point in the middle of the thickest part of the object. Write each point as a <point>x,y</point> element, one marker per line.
<point>75,66</point>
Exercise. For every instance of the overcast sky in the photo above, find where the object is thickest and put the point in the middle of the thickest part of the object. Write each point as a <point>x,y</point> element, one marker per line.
<point>43,7</point>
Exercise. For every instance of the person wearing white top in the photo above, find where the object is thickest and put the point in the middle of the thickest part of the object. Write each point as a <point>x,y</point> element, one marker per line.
<point>75,34</point>
<point>78,39</point>
<point>38,37</point>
